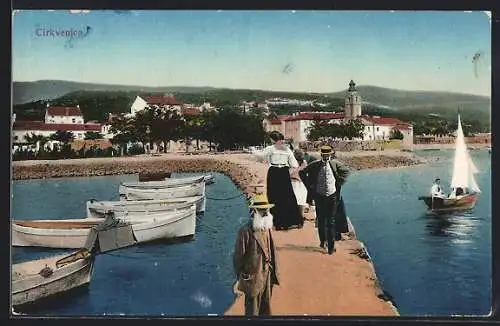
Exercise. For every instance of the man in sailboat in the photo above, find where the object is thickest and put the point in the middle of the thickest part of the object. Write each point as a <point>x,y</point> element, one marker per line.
<point>436,190</point>
<point>254,259</point>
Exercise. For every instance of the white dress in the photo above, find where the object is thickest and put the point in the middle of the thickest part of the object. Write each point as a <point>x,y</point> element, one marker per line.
<point>300,190</point>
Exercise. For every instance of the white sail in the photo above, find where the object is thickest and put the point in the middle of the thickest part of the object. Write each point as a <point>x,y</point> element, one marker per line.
<point>463,167</point>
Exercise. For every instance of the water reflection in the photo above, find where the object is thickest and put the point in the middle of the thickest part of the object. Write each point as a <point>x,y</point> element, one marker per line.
<point>456,225</point>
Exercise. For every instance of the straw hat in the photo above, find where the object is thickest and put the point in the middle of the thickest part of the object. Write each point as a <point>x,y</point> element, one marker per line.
<point>326,150</point>
<point>260,201</point>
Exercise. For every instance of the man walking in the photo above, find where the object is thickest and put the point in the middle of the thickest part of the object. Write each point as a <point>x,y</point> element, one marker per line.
<point>324,179</point>
<point>254,259</point>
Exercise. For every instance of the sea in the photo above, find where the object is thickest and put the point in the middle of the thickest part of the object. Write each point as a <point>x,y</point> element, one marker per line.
<point>429,265</point>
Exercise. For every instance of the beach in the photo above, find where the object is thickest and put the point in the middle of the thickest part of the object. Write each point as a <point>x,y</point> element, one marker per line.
<point>351,287</point>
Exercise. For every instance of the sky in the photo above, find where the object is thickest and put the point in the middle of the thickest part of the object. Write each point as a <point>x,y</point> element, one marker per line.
<point>304,51</point>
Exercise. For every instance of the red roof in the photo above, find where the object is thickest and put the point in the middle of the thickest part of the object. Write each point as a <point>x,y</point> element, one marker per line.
<point>40,125</point>
<point>190,111</point>
<point>162,100</point>
<point>403,126</point>
<point>382,120</point>
<point>275,121</point>
<point>64,111</point>
<point>316,115</point>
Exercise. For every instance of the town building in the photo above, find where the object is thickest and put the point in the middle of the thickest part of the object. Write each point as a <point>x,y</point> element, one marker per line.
<point>56,119</point>
<point>297,125</point>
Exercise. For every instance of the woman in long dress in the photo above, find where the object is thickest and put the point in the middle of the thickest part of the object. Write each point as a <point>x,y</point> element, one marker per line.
<point>286,212</point>
<point>298,186</point>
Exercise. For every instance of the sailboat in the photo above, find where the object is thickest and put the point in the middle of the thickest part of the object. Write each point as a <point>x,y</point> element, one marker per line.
<point>465,190</point>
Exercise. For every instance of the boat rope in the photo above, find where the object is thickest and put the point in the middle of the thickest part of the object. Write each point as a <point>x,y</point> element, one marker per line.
<point>121,256</point>
<point>228,198</point>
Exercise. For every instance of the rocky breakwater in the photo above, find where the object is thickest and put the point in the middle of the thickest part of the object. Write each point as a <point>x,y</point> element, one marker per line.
<point>86,168</point>
<point>380,161</point>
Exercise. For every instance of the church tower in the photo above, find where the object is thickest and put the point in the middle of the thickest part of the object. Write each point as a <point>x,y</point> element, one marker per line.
<point>352,107</point>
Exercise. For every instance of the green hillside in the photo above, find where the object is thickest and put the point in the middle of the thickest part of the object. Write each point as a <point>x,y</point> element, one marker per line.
<point>96,100</point>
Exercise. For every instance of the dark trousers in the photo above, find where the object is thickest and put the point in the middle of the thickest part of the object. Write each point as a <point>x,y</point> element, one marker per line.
<point>326,209</point>
<point>309,199</point>
<point>260,305</point>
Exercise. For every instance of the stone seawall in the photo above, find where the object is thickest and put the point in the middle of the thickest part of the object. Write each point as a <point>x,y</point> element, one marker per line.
<point>22,170</point>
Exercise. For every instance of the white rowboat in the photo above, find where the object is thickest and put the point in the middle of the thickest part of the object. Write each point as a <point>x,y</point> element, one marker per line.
<point>38,279</point>
<point>73,233</point>
<point>125,207</point>
<point>190,190</point>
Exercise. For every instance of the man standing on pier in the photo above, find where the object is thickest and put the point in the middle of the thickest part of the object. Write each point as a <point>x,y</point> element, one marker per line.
<point>324,179</point>
<point>254,259</point>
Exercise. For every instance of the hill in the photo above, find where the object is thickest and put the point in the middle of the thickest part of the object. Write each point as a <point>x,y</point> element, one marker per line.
<point>26,92</point>
<point>98,99</point>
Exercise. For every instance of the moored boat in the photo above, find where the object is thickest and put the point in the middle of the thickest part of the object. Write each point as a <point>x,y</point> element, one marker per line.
<point>165,183</point>
<point>73,233</point>
<point>39,279</point>
<point>466,190</point>
<point>189,190</point>
<point>123,207</point>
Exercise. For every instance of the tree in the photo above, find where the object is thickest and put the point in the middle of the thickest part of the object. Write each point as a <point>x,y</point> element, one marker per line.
<point>63,136</point>
<point>123,129</point>
<point>192,130</point>
<point>353,129</point>
<point>396,134</point>
<point>231,129</point>
<point>93,135</point>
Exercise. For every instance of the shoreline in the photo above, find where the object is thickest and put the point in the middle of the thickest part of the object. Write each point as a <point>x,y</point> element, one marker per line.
<point>352,288</point>
<point>173,162</point>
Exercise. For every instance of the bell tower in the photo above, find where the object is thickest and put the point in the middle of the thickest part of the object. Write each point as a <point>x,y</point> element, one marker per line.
<point>352,102</point>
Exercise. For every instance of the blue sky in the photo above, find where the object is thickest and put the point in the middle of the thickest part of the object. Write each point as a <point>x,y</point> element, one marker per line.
<point>318,51</point>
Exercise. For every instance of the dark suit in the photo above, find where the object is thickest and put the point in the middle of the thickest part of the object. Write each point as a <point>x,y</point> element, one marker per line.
<point>256,269</point>
<point>326,206</point>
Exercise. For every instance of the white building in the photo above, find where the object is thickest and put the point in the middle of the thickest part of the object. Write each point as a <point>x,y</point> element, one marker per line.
<point>63,115</point>
<point>168,102</point>
<point>57,119</point>
<point>297,125</point>
<point>23,128</point>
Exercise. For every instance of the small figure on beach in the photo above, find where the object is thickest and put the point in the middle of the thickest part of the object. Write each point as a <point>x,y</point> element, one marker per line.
<point>254,259</point>
<point>324,179</point>
<point>299,189</point>
<point>436,190</point>
<point>282,163</point>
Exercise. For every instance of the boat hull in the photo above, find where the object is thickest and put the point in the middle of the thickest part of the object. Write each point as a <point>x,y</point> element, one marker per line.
<point>163,225</point>
<point>124,207</point>
<point>25,236</point>
<point>165,183</point>
<point>130,193</point>
<point>444,205</point>
<point>29,287</point>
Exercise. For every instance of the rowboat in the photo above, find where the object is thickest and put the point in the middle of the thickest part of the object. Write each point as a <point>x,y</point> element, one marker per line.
<point>123,207</point>
<point>189,190</point>
<point>465,190</point>
<point>42,278</point>
<point>73,233</point>
<point>165,183</point>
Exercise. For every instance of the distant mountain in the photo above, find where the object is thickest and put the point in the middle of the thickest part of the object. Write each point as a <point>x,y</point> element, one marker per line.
<point>402,100</point>
<point>376,100</point>
<point>25,92</point>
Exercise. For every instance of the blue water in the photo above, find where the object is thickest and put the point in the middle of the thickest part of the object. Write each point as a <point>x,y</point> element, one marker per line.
<point>431,266</point>
<point>190,278</point>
